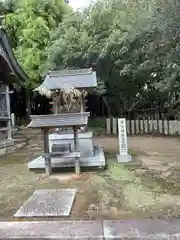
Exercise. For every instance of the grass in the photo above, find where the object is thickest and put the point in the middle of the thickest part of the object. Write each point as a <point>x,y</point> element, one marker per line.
<point>122,189</point>
<point>97,122</point>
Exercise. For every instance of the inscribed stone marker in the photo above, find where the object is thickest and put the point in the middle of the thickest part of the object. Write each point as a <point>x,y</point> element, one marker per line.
<point>48,203</point>
<point>123,155</point>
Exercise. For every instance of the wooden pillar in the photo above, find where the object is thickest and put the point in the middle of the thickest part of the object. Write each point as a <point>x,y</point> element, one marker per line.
<point>82,104</point>
<point>76,147</point>
<point>8,108</point>
<point>47,156</point>
<point>56,109</point>
<point>83,109</point>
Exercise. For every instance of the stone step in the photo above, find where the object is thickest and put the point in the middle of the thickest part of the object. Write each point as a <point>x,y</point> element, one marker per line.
<point>66,155</point>
<point>51,230</point>
<point>129,229</point>
<point>152,229</point>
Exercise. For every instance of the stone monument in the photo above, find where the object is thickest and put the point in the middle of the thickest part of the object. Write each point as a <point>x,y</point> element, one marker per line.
<point>123,155</point>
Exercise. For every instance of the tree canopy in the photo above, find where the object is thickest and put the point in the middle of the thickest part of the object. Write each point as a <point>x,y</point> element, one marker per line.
<point>30,24</point>
<point>132,45</point>
<point>105,37</point>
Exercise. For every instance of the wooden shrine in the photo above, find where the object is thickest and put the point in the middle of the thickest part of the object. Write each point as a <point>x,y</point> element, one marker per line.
<point>10,72</point>
<point>74,121</point>
<point>68,89</point>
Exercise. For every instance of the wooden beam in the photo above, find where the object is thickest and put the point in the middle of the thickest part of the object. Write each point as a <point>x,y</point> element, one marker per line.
<point>76,146</point>
<point>8,108</point>
<point>47,156</point>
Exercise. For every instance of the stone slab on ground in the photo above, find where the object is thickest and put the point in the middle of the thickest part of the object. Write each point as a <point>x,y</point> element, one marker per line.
<point>143,229</point>
<point>48,203</point>
<point>51,230</point>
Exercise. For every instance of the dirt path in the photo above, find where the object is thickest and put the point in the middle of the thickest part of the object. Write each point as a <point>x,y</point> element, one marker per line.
<point>148,145</point>
<point>151,150</point>
<point>99,195</point>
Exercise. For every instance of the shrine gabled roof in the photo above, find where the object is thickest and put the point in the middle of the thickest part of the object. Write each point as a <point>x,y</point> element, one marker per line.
<point>79,78</point>
<point>59,120</point>
<point>8,55</point>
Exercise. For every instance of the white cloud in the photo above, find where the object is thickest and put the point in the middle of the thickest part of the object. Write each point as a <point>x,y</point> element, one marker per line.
<point>80,4</point>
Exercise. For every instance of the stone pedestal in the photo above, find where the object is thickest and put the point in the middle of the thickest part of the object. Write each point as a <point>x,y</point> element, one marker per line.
<point>85,142</point>
<point>124,158</point>
<point>91,156</point>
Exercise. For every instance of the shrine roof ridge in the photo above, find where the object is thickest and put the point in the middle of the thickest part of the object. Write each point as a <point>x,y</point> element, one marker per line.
<point>63,115</point>
<point>70,72</point>
<point>80,79</point>
<point>59,120</point>
<point>7,53</point>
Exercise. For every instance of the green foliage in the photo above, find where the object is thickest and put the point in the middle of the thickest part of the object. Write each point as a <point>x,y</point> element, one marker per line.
<point>8,6</point>
<point>133,46</point>
<point>30,26</point>
<point>106,37</point>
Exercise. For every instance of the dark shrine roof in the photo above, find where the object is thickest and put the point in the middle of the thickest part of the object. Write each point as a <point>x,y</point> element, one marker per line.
<point>10,64</point>
<point>78,78</point>
<point>59,120</point>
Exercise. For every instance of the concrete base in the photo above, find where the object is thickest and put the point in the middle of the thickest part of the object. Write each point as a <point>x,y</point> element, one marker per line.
<point>124,158</point>
<point>49,230</point>
<point>151,229</point>
<point>98,160</point>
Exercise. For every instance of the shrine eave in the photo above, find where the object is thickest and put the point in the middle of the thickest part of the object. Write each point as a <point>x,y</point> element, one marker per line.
<point>7,54</point>
<point>79,79</point>
<point>59,120</point>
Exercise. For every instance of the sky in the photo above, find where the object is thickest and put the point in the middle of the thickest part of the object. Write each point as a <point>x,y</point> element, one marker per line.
<point>76,4</point>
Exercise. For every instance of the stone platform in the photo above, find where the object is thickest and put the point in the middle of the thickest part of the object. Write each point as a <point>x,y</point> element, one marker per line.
<point>92,161</point>
<point>108,230</point>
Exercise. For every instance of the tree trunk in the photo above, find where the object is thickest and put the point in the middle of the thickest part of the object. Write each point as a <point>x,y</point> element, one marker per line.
<point>28,104</point>
<point>107,105</point>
